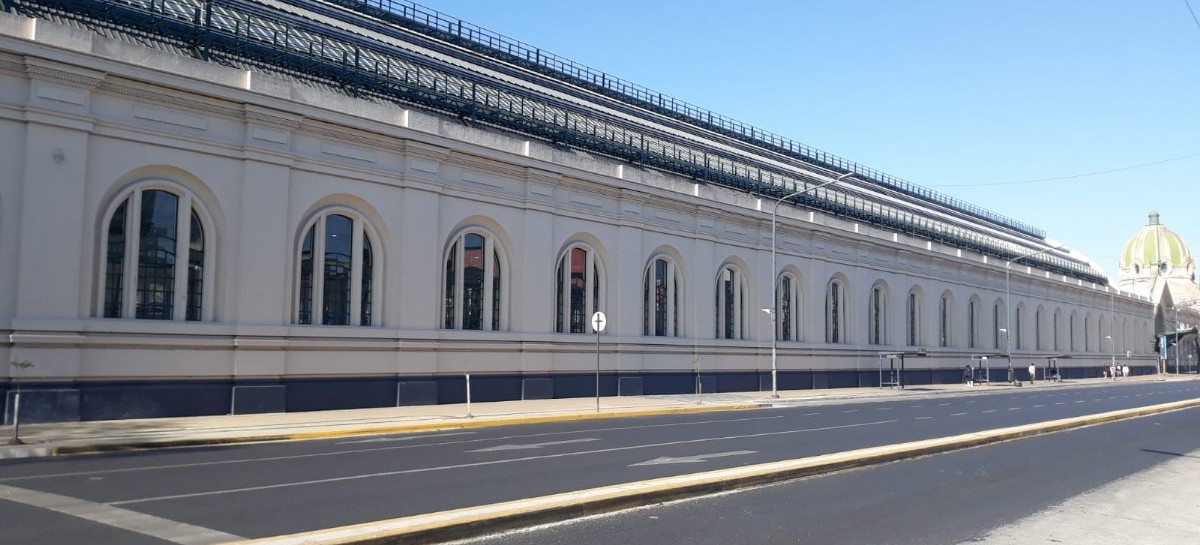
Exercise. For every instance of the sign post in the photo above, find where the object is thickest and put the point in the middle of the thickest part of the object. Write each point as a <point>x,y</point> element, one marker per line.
<point>598,323</point>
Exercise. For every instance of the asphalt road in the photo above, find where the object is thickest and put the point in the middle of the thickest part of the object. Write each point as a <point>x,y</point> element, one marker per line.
<point>281,488</point>
<point>944,499</point>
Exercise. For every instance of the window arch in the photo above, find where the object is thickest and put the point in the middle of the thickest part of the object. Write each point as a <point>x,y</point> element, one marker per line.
<point>788,307</point>
<point>835,313</point>
<point>730,304</point>
<point>338,268</point>
<point>473,288</point>
<point>877,307</point>
<point>661,298</point>
<point>158,255</point>
<point>580,289</point>
<point>913,318</point>
<point>945,319</point>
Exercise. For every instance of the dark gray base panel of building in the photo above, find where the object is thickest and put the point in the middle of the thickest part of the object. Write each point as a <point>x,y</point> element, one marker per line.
<point>60,402</point>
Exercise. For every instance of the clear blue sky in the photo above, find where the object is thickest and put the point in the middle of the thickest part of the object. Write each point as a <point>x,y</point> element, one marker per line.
<point>971,98</point>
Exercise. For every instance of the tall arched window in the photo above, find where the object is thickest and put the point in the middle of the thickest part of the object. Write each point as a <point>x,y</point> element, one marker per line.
<point>877,316</point>
<point>580,290</point>
<point>1056,347</point>
<point>1017,328</point>
<point>944,317</point>
<point>973,323</point>
<point>157,257</point>
<point>660,299</point>
<point>474,284</point>
<point>998,324</point>
<point>835,313</point>
<point>337,271</point>
<point>730,304</point>
<point>914,319</point>
<point>1071,332</point>
<point>1037,328</point>
<point>1087,333</point>
<point>787,308</point>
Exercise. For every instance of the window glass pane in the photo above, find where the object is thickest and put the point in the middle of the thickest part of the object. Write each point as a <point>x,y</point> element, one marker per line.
<point>306,277</point>
<point>156,255</point>
<point>495,291</point>
<point>473,264</point>
<point>195,280</point>
<point>114,264</point>
<point>339,232</point>
<point>785,308</point>
<point>451,293</point>
<point>558,295</point>
<point>660,298</point>
<point>728,290</point>
<point>368,278</point>
<point>578,289</point>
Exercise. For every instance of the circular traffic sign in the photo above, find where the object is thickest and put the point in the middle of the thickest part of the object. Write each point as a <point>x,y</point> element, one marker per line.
<point>598,322</point>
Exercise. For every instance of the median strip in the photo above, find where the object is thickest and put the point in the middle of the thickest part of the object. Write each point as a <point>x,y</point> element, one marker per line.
<point>485,519</point>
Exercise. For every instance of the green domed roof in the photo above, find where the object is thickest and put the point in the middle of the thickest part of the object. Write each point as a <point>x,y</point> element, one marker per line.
<point>1155,244</point>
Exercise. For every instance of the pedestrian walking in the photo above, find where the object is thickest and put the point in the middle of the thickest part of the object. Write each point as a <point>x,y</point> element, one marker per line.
<point>1125,371</point>
<point>969,376</point>
<point>1032,373</point>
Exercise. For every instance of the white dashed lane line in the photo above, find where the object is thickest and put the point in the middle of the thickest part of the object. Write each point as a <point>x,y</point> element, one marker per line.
<point>958,414</point>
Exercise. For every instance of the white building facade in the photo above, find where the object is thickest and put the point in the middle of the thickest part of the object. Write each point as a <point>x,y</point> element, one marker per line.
<point>184,237</point>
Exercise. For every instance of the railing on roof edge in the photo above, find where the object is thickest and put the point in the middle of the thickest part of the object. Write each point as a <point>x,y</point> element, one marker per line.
<point>497,42</point>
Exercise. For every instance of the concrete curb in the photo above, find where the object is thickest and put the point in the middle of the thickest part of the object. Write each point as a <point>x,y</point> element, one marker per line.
<point>485,519</point>
<point>34,450</point>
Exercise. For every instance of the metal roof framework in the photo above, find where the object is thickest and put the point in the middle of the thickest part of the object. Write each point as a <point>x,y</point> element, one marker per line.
<point>241,32</point>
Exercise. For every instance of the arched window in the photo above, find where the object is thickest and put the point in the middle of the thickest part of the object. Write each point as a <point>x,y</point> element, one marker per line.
<point>1017,328</point>
<point>973,323</point>
<point>877,316</point>
<point>835,313</point>
<point>337,272</point>
<point>730,304</point>
<point>1071,332</point>
<point>660,299</point>
<point>1037,329</point>
<point>998,324</point>
<point>944,316</point>
<point>580,290</point>
<point>914,319</point>
<point>474,285</point>
<point>1057,314</point>
<point>157,256</point>
<point>1087,333</point>
<point>787,308</point>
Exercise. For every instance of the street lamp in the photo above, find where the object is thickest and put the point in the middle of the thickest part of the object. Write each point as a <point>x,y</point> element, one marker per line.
<point>1008,294</point>
<point>774,280</point>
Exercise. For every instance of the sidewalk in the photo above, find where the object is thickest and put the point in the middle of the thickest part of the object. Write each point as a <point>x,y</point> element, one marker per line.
<point>62,438</point>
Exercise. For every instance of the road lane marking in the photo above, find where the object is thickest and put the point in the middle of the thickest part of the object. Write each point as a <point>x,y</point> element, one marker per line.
<point>404,438</point>
<point>1039,406</point>
<point>529,446</point>
<point>810,414</point>
<point>884,409</point>
<point>851,411</point>
<point>922,418</point>
<point>990,411</point>
<point>942,404</point>
<point>490,463</point>
<point>1014,408</point>
<point>958,414</point>
<point>691,459</point>
<point>124,519</point>
<point>371,450</point>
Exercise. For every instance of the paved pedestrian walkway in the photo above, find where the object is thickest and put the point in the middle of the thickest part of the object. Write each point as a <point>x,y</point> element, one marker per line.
<point>61,438</point>
<point>1153,507</point>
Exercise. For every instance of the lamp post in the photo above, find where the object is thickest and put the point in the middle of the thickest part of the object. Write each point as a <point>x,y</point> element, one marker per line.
<point>1008,294</point>
<point>775,284</point>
